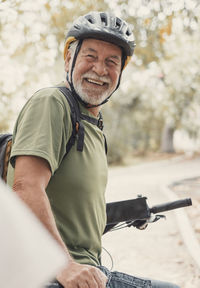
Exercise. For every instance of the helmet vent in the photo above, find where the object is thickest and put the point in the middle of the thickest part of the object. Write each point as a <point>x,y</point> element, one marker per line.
<point>128,32</point>
<point>118,23</point>
<point>103,19</point>
<point>90,19</point>
<point>77,26</point>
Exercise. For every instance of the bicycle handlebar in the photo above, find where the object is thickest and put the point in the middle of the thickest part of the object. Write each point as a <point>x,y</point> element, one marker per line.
<point>137,210</point>
<point>171,205</point>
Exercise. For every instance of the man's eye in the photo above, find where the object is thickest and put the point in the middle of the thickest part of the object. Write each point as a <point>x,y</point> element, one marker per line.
<point>112,62</point>
<point>90,56</point>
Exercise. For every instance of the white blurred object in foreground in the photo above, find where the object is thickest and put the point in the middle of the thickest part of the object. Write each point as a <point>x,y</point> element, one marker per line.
<point>29,256</point>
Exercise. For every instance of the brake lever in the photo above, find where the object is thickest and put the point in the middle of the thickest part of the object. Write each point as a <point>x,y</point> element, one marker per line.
<point>155,218</point>
<point>143,223</point>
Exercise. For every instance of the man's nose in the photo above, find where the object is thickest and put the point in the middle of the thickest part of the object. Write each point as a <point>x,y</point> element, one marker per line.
<point>99,67</point>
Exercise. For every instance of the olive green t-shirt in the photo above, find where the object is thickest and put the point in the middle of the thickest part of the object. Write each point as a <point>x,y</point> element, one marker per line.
<point>77,186</point>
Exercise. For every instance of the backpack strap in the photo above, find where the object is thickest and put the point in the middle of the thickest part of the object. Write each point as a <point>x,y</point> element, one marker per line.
<point>97,122</point>
<point>5,144</point>
<point>77,125</point>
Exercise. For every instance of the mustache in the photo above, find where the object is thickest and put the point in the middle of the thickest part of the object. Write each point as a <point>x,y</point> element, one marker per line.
<point>94,76</point>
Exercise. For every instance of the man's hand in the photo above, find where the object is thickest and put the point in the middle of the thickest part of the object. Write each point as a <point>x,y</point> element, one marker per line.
<point>82,276</point>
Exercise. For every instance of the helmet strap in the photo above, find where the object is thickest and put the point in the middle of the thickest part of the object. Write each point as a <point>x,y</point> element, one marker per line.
<point>119,80</point>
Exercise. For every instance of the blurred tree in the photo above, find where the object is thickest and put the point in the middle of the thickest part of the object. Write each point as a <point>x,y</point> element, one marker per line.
<point>182,80</point>
<point>32,38</point>
<point>166,57</point>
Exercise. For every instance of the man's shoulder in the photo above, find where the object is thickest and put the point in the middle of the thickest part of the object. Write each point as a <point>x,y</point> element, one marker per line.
<point>45,100</point>
<point>51,94</point>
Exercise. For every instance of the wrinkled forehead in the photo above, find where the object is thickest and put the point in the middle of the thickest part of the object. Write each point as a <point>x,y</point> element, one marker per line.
<point>100,46</point>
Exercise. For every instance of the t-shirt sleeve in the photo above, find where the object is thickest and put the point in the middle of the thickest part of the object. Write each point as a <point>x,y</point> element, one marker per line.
<point>43,129</point>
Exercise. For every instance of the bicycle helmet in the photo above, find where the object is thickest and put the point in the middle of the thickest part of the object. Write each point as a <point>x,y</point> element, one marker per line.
<point>103,26</point>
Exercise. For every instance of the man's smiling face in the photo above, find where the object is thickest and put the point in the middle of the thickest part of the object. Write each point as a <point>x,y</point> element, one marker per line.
<point>97,70</point>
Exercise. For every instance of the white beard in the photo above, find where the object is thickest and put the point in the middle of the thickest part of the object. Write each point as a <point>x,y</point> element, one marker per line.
<point>95,99</point>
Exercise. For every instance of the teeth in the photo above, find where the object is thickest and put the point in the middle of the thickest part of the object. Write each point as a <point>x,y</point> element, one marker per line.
<point>95,81</point>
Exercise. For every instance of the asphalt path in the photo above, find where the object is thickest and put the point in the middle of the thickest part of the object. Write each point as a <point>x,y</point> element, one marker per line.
<point>159,252</point>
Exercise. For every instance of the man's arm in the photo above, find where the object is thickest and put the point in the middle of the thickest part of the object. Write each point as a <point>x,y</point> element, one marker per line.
<point>32,175</point>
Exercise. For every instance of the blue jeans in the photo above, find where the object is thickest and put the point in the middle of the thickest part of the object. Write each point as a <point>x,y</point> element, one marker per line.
<point>122,280</point>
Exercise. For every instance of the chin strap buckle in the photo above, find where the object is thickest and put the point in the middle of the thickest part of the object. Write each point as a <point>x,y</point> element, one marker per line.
<point>100,121</point>
<point>100,124</point>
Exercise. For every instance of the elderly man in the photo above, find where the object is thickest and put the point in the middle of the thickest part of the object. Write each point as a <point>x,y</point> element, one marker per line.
<point>66,192</point>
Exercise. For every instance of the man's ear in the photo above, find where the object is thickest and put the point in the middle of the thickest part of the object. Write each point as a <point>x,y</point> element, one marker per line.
<point>67,61</point>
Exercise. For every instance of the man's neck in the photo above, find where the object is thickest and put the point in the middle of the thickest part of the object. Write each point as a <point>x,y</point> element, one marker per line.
<point>94,110</point>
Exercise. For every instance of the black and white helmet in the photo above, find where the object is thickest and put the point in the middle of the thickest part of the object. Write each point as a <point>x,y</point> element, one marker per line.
<point>103,26</point>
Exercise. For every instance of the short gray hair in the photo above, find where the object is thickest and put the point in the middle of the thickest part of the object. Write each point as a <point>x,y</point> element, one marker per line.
<point>72,49</point>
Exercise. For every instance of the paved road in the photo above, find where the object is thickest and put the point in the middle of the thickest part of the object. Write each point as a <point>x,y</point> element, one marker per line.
<point>159,251</point>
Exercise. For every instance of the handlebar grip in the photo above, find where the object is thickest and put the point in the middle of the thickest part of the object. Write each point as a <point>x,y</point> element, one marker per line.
<point>171,205</point>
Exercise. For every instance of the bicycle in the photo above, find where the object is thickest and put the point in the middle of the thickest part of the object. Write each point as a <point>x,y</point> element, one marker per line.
<point>136,213</point>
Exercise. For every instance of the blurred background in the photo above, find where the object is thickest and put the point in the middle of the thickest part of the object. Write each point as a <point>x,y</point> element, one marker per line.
<point>156,109</point>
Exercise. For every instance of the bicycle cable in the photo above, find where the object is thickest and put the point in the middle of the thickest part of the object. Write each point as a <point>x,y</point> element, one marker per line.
<point>112,262</point>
